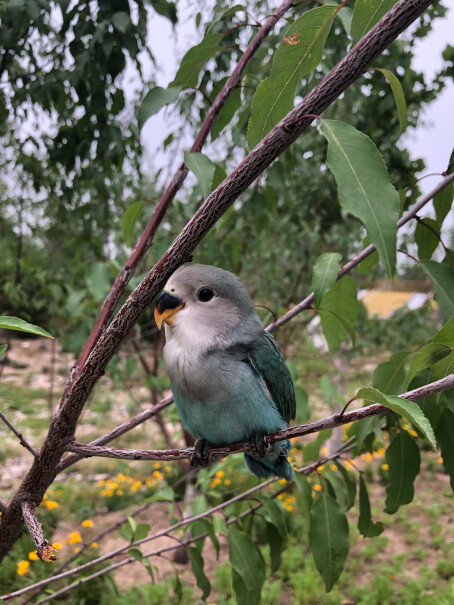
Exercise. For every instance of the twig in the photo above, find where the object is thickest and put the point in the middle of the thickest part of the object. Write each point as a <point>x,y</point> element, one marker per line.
<point>43,546</point>
<point>296,431</point>
<point>19,435</point>
<point>305,470</point>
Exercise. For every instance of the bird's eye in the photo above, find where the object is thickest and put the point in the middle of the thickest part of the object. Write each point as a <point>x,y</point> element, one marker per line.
<point>205,294</point>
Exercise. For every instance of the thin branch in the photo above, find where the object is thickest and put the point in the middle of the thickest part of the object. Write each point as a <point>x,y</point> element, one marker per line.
<point>19,435</point>
<point>44,548</point>
<point>296,431</point>
<point>305,470</point>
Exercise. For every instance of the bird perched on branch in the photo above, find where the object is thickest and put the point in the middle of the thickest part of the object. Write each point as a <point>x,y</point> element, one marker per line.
<point>228,376</point>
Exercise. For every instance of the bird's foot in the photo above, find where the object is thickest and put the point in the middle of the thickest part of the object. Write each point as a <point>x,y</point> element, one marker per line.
<point>259,445</point>
<point>202,452</point>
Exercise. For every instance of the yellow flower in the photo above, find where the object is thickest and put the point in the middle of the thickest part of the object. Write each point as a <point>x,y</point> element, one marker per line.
<point>333,467</point>
<point>22,567</point>
<point>135,486</point>
<point>220,474</point>
<point>440,460</point>
<point>168,469</point>
<point>33,555</point>
<point>119,492</point>
<point>324,451</point>
<point>74,538</point>
<point>385,467</point>
<point>157,475</point>
<point>76,549</point>
<point>282,481</point>
<point>51,504</point>
<point>318,487</point>
<point>57,545</point>
<point>157,465</point>
<point>227,482</point>
<point>94,545</point>
<point>413,433</point>
<point>87,523</point>
<point>101,483</point>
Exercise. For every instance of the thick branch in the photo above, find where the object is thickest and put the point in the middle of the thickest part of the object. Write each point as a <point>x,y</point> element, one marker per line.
<point>19,435</point>
<point>43,546</point>
<point>63,425</point>
<point>296,431</point>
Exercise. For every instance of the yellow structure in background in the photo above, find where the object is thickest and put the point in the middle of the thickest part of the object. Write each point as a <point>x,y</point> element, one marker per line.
<point>383,298</point>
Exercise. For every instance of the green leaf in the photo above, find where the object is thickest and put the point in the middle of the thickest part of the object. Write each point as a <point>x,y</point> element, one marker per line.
<point>389,376</point>
<point>425,238</point>
<point>328,538</point>
<point>203,168</point>
<point>130,218</point>
<point>324,275</point>
<point>404,407</point>
<point>338,311</point>
<point>197,569</point>
<point>404,461</point>
<point>445,335</point>
<point>136,554</point>
<point>154,101</point>
<point>276,543</point>
<point>248,564</point>
<point>362,429</point>
<point>445,435</point>
<point>442,278</point>
<point>442,203</point>
<point>275,515</point>
<point>166,9</point>
<point>142,531</point>
<point>14,323</point>
<point>311,450</point>
<point>366,265</point>
<point>98,278</point>
<point>331,394</point>
<point>302,404</point>
<point>193,61</point>
<point>164,494</point>
<point>2,351</point>
<point>366,14</point>
<point>426,357</point>
<point>398,93</point>
<point>349,483</point>
<point>366,526</point>
<point>304,488</point>
<point>227,112</point>
<point>364,187</point>
<point>299,53</point>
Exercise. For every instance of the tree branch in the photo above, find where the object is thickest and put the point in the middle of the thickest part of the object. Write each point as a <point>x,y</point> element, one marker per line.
<point>296,431</point>
<point>19,435</point>
<point>43,546</point>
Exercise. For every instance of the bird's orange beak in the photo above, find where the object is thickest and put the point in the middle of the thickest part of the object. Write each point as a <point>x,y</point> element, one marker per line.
<point>166,307</point>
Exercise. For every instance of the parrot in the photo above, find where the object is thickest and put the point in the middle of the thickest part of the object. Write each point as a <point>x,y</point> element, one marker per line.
<point>228,376</point>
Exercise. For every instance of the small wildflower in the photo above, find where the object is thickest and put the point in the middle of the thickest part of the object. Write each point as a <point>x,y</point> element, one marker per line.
<point>333,467</point>
<point>440,460</point>
<point>94,545</point>
<point>22,567</point>
<point>324,451</point>
<point>220,474</point>
<point>50,504</point>
<point>413,433</point>
<point>157,465</point>
<point>318,487</point>
<point>87,523</point>
<point>74,538</point>
<point>119,492</point>
<point>135,486</point>
<point>101,483</point>
<point>385,467</point>
<point>33,555</point>
<point>282,481</point>
<point>157,475</point>
<point>76,549</point>
<point>168,469</point>
<point>57,545</point>
<point>227,482</point>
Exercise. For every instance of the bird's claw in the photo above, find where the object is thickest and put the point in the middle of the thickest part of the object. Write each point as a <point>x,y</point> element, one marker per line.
<point>202,453</point>
<point>259,445</point>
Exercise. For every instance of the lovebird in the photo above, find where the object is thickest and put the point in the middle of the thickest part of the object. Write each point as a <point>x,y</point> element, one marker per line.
<point>228,376</point>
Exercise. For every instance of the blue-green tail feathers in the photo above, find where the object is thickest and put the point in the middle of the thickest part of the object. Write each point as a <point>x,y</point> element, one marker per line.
<point>272,464</point>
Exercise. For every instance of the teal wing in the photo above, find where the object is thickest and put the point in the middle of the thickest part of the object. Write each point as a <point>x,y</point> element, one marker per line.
<point>266,360</point>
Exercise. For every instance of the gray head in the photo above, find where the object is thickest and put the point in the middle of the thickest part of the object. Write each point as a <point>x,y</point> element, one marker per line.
<point>207,306</point>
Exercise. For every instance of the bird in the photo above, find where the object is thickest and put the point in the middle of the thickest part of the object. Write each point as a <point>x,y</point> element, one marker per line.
<point>228,376</point>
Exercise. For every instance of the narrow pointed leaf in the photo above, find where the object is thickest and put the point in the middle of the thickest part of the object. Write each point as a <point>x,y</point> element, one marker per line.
<point>389,376</point>
<point>247,561</point>
<point>366,526</point>
<point>328,538</point>
<point>276,543</point>
<point>19,325</point>
<point>197,569</point>
<point>445,334</point>
<point>364,187</point>
<point>227,112</point>
<point>130,218</point>
<point>398,93</point>
<point>426,238</point>
<point>324,275</point>
<point>155,100</point>
<point>404,407</point>
<point>193,61</point>
<point>349,483</point>
<point>442,203</point>
<point>366,14</point>
<point>299,53</point>
<point>340,302</point>
<point>203,168</point>
<point>442,278</point>
<point>426,357</point>
<point>304,488</point>
<point>445,435</point>
<point>404,461</point>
